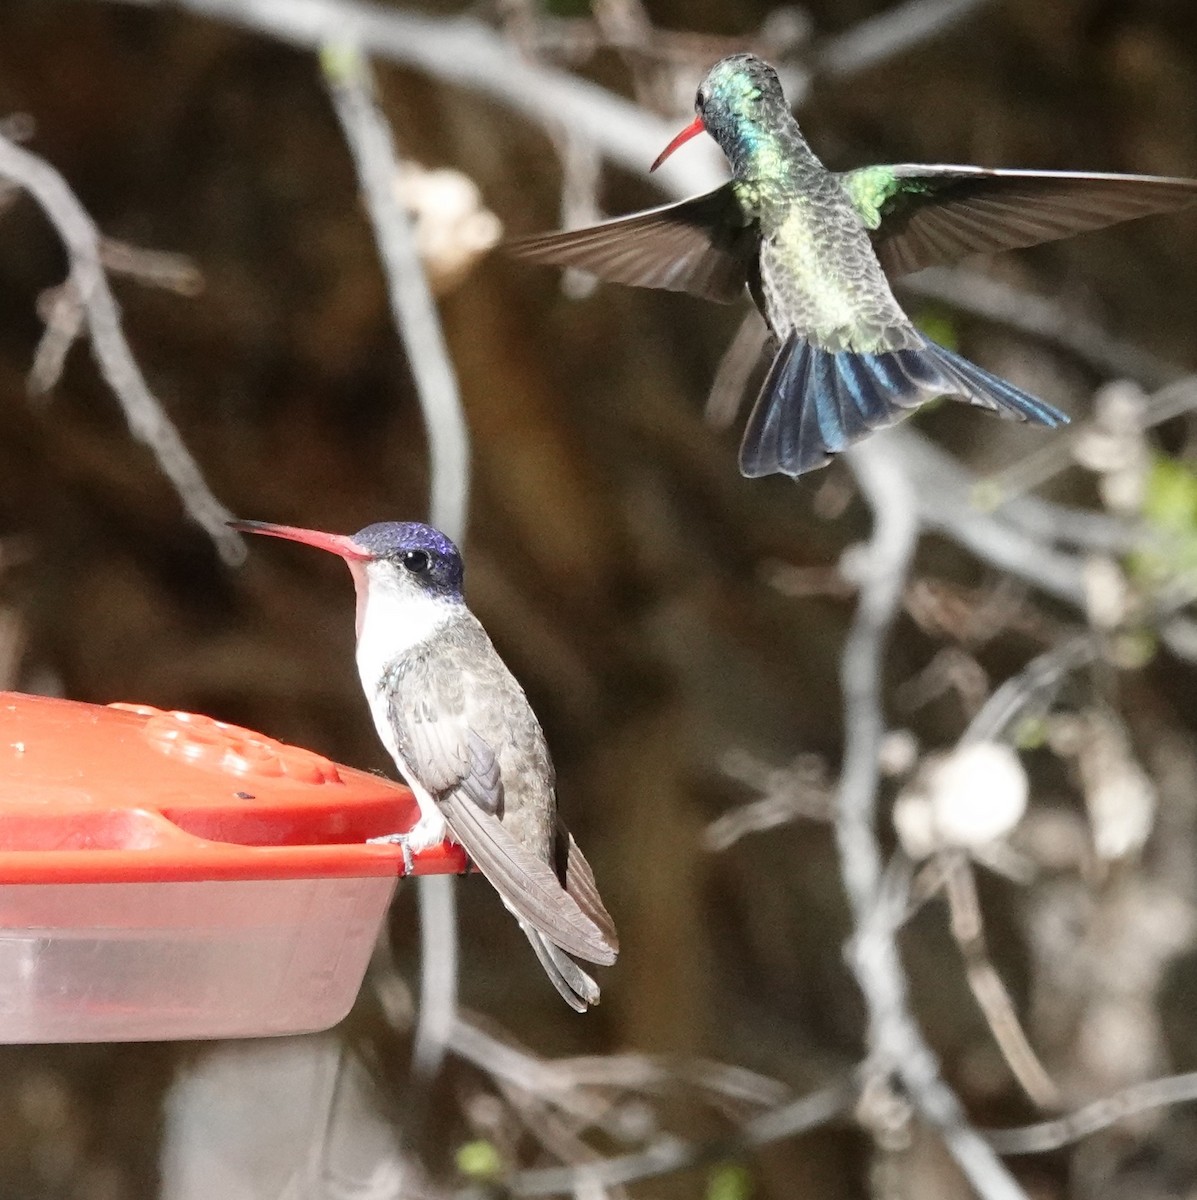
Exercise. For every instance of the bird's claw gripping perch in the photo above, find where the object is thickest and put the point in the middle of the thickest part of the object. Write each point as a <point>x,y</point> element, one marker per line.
<point>404,843</point>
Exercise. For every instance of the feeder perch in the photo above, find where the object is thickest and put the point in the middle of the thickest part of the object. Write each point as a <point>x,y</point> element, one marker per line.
<point>164,875</point>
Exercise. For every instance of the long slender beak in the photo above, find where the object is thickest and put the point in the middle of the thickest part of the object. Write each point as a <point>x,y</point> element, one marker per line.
<point>337,543</point>
<point>692,130</point>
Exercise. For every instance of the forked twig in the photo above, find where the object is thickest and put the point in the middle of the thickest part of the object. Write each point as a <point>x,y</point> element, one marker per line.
<point>88,284</point>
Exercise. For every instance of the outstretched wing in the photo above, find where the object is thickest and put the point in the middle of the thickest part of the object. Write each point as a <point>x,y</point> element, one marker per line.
<point>439,747</point>
<point>702,246</point>
<point>925,215</point>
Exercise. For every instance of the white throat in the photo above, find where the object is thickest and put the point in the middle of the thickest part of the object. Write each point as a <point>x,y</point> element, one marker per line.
<point>393,621</point>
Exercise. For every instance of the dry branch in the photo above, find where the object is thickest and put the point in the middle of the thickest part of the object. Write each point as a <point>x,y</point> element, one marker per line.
<point>414,312</point>
<point>91,299</point>
<point>896,1044</point>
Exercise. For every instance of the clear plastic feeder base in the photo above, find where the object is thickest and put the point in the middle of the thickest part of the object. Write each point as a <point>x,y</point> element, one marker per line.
<point>164,875</point>
<point>233,958</point>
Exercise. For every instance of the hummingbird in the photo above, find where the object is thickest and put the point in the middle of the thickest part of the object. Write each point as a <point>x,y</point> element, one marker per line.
<point>816,250</point>
<point>466,741</point>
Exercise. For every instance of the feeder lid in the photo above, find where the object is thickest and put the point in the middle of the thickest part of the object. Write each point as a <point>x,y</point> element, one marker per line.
<point>129,793</point>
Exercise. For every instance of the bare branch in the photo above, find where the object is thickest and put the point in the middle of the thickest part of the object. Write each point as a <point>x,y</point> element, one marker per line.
<point>880,570</point>
<point>896,1043</point>
<point>63,311</point>
<point>670,1155</point>
<point>584,1089</point>
<point>412,307</point>
<point>414,311</point>
<point>876,40</point>
<point>785,794</point>
<point>987,986</point>
<point>1051,1135</point>
<point>471,54</point>
<point>1040,676</point>
<point>1043,319</point>
<point>147,420</point>
<point>945,503</point>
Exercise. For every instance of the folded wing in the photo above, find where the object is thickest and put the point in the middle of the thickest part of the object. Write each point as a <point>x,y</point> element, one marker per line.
<point>460,770</point>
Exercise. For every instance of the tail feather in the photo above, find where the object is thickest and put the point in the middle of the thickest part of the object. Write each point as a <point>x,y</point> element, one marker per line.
<point>1011,401</point>
<point>573,985</point>
<point>816,403</point>
<point>578,880</point>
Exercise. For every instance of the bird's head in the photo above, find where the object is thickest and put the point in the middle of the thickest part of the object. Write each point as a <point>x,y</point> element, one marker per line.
<point>738,102</point>
<point>404,561</point>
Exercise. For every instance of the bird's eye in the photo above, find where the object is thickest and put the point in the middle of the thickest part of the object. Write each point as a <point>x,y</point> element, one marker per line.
<point>416,561</point>
<point>700,101</point>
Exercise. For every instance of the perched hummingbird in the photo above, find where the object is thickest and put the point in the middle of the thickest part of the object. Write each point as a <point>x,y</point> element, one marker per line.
<point>815,248</point>
<point>466,741</point>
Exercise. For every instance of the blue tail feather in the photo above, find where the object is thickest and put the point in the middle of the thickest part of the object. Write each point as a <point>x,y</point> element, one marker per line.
<point>816,403</point>
<point>1013,401</point>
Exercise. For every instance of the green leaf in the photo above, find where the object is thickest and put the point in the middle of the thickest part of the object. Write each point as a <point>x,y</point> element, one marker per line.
<point>1030,733</point>
<point>341,62</point>
<point>479,1160</point>
<point>729,1181</point>
<point>1170,511</point>
<point>1134,648</point>
<point>987,495</point>
<point>1171,499</point>
<point>938,324</point>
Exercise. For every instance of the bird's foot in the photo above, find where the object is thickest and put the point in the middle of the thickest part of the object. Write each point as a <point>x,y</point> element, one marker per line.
<point>403,841</point>
<point>420,836</point>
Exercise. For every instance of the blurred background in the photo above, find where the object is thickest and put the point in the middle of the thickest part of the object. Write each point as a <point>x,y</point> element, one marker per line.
<point>678,629</point>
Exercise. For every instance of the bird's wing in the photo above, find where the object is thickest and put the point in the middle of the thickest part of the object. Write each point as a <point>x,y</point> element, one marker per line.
<point>460,769</point>
<point>578,880</point>
<point>527,884</point>
<point>921,216</point>
<point>702,246</point>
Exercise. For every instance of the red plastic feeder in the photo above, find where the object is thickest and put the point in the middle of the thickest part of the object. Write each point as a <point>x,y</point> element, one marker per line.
<point>165,875</point>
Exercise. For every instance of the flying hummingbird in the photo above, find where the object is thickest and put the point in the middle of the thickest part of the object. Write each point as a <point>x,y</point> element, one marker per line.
<point>816,249</point>
<point>466,741</point>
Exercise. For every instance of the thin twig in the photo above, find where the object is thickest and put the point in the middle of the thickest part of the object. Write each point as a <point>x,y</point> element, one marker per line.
<point>64,313</point>
<point>146,418</point>
<point>414,312</point>
<point>897,1045</point>
<point>987,987</point>
<point>582,1088</point>
<point>469,53</point>
<point>412,306</point>
<point>1047,320</point>
<point>1034,470</point>
<point>155,268</point>
<point>785,794</point>
<point>871,42</point>
<point>993,721</point>
<point>1063,1131</point>
<point>944,499</point>
<point>670,1155</point>
<point>1041,675</point>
